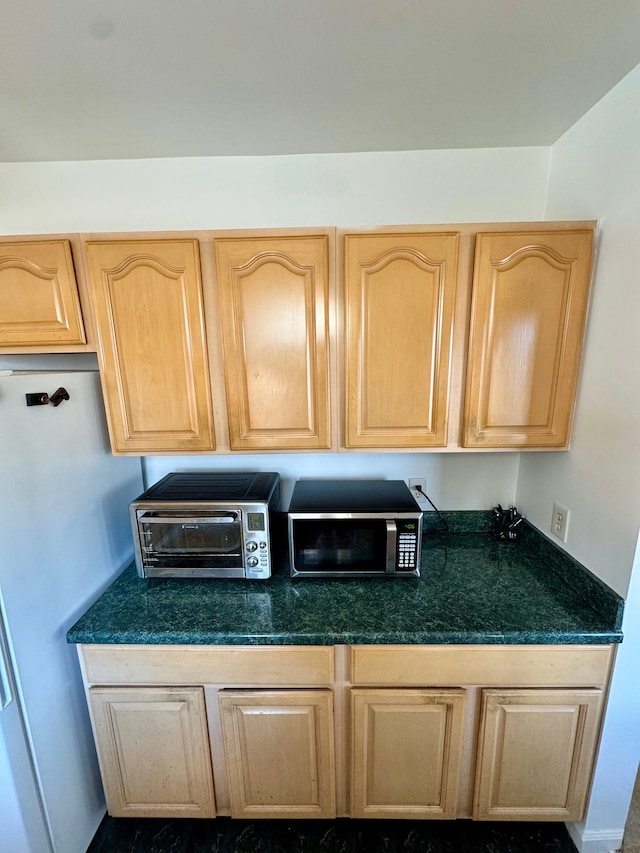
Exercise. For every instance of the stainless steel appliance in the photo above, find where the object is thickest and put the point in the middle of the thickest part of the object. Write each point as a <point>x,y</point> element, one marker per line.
<point>354,528</point>
<point>206,524</point>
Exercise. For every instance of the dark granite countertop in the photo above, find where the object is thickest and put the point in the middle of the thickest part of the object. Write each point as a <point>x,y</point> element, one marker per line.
<point>472,590</point>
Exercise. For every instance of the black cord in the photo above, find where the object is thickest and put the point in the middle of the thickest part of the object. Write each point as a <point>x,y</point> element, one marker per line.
<point>418,488</point>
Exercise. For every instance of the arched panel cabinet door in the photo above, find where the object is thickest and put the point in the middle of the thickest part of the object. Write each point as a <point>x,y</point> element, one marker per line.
<point>39,302</point>
<point>274,311</point>
<point>147,300</point>
<point>399,307</point>
<point>529,302</point>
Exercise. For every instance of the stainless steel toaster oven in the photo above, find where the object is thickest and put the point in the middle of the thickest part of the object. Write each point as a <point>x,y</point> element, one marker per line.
<point>206,524</point>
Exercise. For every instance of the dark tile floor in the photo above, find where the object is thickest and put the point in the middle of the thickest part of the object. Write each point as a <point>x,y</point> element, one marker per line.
<point>133,835</point>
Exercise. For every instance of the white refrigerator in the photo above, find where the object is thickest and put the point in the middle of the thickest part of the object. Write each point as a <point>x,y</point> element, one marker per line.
<point>64,535</point>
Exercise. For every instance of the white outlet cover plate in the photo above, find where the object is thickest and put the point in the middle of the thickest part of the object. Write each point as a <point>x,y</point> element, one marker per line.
<point>560,526</point>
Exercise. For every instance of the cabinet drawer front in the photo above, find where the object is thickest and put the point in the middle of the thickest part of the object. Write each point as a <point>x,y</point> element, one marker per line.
<point>542,666</point>
<point>230,665</point>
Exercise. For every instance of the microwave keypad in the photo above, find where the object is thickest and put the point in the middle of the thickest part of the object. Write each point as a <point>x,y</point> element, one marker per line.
<point>407,543</point>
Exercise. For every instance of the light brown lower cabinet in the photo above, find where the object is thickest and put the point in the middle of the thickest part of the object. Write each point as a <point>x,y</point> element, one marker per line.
<point>535,753</point>
<point>359,731</point>
<point>406,752</point>
<point>153,750</point>
<point>279,752</point>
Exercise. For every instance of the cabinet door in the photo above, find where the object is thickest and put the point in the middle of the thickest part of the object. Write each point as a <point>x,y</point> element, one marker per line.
<point>406,751</point>
<point>279,753</point>
<point>399,304</point>
<point>39,303</point>
<point>527,323</point>
<point>147,299</point>
<point>274,308</point>
<point>153,750</point>
<point>536,753</point>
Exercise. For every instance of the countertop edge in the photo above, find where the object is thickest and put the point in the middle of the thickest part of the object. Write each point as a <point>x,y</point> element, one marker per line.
<point>390,639</point>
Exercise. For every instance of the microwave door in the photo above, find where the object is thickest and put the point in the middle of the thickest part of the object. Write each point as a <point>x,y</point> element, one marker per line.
<point>334,546</point>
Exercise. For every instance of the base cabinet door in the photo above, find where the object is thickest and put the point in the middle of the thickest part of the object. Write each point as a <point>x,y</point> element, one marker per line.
<point>153,750</point>
<point>536,753</point>
<point>39,302</point>
<point>147,300</point>
<point>279,752</point>
<point>406,752</point>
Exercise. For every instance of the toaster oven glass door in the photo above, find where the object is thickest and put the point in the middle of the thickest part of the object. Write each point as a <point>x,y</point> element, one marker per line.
<point>191,539</point>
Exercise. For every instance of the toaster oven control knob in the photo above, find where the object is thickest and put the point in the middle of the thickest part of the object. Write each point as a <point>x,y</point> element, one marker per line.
<point>252,546</point>
<point>252,562</point>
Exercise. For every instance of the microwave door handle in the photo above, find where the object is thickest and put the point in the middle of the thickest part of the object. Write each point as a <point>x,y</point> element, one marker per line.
<point>392,541</point>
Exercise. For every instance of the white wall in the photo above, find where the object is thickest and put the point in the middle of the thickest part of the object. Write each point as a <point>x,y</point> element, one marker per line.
<point>595,173</point>
<point>454,480</point>
<point>355,190</point>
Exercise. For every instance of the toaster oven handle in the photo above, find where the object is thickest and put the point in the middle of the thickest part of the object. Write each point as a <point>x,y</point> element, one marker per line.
<point>149,518</point>
<point>392,541</point>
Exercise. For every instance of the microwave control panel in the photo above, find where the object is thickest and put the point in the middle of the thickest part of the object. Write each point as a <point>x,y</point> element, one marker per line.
<point>408,545</point>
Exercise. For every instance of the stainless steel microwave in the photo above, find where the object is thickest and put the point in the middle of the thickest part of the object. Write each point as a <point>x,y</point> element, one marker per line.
<point>206,524</point>
<point>354,528</point>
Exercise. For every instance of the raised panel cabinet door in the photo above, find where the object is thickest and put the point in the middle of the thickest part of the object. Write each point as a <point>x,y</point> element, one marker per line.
<point>536,753</point>
<point>147,300</point>
<point>39,302</point>
<point>399,308</point>
<point>274,310</point>
<point>279,753</point>
<point>153,749</point>
<point>406,752</point>
<point>529,302</point>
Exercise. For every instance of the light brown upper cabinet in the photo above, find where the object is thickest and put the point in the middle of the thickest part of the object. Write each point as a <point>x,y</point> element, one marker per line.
<point>147,300</point>
<point>529,303</point>
<point>274,311</point>
<point>399,307</point>
<point>39,302</point>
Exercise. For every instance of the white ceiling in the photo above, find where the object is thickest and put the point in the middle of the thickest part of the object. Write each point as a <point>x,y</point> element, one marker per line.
<point>96,79</point>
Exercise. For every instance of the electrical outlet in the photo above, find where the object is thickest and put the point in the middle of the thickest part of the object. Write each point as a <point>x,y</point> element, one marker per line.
<point>418,481</point>
<point>560,521</point>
